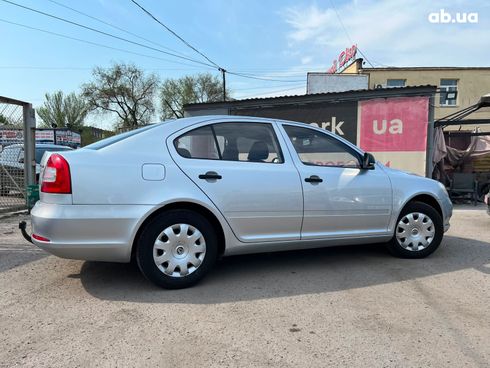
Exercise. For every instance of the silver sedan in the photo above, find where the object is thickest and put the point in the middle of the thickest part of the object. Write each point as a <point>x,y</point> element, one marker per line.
<point>177,195</point>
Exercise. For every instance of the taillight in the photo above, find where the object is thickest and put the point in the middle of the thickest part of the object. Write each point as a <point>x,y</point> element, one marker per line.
<point>56,176</point>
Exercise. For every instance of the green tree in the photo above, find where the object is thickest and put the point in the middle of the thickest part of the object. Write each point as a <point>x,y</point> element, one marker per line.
<point>88,137</point>
<point>3,120</point>
<point>13,120</point>
<point>175,93</point>
<point>124,90</point>
<point>63,111</point>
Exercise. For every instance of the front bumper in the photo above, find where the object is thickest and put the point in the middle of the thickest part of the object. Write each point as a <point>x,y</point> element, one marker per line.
<point>88,232</point>
<point>447,211</point>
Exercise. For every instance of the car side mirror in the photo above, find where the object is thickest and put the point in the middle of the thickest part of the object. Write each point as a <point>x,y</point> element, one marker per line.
<point>368,161</point>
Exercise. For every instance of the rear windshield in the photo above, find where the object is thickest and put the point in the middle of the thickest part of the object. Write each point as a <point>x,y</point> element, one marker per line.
<point>40,152</point>
<point>119,137</point>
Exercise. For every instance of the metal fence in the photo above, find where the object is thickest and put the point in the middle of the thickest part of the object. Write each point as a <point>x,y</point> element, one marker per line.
<point>17,168</point>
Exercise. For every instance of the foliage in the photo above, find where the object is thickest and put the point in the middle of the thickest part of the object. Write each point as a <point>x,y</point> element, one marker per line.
<point>175,93</point>
<point>63,111</point>
<point>3,120</point>
<point>124,90</point>
<point>88,137</point>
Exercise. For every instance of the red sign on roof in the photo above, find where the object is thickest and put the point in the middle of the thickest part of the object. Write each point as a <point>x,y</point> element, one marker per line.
<point>343,59</point>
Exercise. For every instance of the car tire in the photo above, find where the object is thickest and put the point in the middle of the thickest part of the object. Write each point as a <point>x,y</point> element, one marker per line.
<point>176,249</point>
<point>418,231</point>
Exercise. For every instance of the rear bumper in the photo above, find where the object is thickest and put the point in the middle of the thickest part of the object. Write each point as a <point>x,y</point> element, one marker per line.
<point>88,232</point>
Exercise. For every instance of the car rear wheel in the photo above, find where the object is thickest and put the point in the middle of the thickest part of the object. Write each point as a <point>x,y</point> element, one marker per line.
<point>176,249</point>
<point>418,231</point>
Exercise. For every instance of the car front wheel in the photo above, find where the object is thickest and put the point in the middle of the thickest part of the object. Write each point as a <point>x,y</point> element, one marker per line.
<point>418,231</point>
<point>176,249</point>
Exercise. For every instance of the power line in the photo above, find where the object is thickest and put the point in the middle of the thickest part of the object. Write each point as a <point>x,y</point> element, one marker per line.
<point>252,76</point>
<point>114,26</point>
<point>57,68</point>
<point>267,93</point>
<point>257,88</point>
<point>347,33</point>
<point>174,33</point>
<point>95,43</point>
<point>221,69</point>
<point>103,33</point>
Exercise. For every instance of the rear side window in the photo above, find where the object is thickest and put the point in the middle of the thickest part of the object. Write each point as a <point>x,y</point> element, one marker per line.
<point>40,152</point>
<point>198,143</point>
<point>245,142</point>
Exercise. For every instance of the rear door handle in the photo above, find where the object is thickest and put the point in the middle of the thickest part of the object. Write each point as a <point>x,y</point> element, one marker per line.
<point>210,175</point>
<point>314,179</point>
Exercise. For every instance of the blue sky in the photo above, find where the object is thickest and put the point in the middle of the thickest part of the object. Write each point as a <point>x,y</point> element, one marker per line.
<point>279,40</point>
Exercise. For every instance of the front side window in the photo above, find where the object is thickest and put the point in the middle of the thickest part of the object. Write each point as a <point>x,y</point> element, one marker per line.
<point>448,88</point>
<point>246,142</point>
<point>319,149</point>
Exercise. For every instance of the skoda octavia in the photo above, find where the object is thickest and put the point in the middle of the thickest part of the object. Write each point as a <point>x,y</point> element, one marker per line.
<point>177,195</point>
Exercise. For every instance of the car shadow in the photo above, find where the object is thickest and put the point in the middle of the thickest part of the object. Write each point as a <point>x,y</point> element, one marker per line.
<point>283,274</point>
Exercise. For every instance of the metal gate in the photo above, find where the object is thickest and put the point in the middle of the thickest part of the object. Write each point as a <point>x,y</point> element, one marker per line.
<point>17,148</point>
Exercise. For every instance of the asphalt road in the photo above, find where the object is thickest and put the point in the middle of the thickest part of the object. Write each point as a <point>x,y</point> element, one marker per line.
<point>349,306</point>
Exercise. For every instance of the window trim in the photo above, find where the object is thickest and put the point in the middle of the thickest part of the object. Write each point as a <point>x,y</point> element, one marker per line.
<point>269,125</point>
<point>445,88</point>
<point>347,147</point>
<point>396,79</point>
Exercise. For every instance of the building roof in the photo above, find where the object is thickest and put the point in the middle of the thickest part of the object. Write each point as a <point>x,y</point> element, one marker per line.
<point>321,97</point>
<point>13,101</point>
<point>418,68</point>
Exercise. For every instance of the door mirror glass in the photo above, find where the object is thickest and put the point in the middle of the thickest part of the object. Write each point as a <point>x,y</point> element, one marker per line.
<point>368,161</point>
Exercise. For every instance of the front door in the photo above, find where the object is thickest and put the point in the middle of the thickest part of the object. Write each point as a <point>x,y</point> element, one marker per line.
<point>340,198</point>
<point>242,169</point>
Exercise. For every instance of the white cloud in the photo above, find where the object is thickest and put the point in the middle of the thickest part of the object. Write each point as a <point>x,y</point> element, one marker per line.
<point>390,32</point>
<point>306,60</point>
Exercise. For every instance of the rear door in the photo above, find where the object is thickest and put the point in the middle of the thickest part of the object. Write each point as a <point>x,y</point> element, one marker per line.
<point>244,171</point>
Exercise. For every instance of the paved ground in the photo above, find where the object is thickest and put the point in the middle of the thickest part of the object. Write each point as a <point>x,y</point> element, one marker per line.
<point>351,306</point>
<point>10,201</point>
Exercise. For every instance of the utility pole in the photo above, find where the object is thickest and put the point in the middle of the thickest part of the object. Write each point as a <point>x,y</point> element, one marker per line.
<point>223,76</point>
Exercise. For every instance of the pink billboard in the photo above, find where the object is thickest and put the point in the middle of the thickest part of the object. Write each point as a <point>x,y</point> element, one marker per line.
<point>394,125</point>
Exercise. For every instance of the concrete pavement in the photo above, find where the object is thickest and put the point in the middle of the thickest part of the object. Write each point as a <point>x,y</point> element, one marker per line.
<point>346,306</point>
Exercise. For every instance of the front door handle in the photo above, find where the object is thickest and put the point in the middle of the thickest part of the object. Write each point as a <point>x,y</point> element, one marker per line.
<point>314,179</point>
<point>210,175</point>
